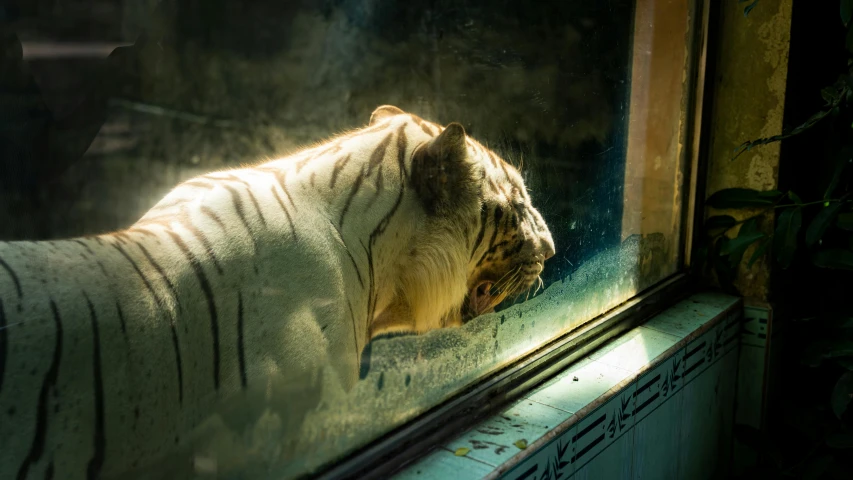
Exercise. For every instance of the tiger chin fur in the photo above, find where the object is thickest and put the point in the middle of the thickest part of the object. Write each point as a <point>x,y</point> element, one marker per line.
<point>114,347</point>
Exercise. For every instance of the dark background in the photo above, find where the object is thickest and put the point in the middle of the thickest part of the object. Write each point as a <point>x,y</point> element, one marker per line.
<point>89,143</point>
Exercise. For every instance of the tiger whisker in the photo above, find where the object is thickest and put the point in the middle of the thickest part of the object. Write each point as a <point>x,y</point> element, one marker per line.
<point>498,282</point>
<point>503,281</point>
<point>509,285</point>
<point>540,285</point>
<point>515,285</point>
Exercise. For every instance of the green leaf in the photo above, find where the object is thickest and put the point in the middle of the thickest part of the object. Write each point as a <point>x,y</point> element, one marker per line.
<point>842,394</point>
<point>849,40</point>
<point>846,11</point>
<point>829,94</point>
<point>841,163</point>
<point>840,322</point>
<point>462,451</point>
<point>817,466</point>
<point>749,8</point>
<point>736,247</point>
<point>740,243</point>
<point>719,223</point>
<point>816,352</point>
<point>724,270</point>
<point>840,440</point>
<point>837,348</point>
<point>742,197</point>
<point>749,227</point>
<point>785,237</point>
<point>521,444</point>
<point>795,198</point>
<point>759,251</point>
<point>836,258</point>
<point>821,222</point>
<point>845,221</point>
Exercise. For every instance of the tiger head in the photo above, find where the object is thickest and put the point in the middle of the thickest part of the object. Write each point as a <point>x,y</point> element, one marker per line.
<point>510,249</point>
<point>483,241</point>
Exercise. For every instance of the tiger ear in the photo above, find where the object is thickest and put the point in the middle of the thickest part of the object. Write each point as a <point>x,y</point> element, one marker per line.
<point>441,173</point>
<point>383,112</point>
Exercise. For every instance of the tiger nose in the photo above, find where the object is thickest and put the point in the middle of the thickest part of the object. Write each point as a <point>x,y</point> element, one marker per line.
<point>546,246</point>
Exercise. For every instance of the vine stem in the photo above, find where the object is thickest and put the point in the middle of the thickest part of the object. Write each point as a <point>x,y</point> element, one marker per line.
<point>810,203</point>
<point>773,207</point>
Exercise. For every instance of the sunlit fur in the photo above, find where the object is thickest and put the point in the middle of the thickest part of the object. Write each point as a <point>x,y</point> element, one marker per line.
<point>234,291</point>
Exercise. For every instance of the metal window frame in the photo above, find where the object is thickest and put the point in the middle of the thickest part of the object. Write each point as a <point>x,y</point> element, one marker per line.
<point>409,442</point>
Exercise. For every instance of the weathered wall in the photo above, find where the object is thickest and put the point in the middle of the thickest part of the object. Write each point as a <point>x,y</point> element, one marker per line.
<point>749,98</point>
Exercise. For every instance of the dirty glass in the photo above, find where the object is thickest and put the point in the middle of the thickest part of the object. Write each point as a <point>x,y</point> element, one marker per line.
<point>139,343</point>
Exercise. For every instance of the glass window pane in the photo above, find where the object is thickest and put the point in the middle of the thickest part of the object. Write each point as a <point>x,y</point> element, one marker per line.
<point>317,278</point>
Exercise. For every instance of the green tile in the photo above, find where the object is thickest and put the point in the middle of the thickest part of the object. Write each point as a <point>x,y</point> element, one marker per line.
<point>493,441</point>
<point>442,465</point>
<point>577,365</point>
<point>707,415</point>
<point>691,313</point>
<point>754,331</point>
<point>635,349</point>
<point>732,332</point>
<point>659,385</point>
<point>717,300</point>
<point>593,379</point>
<point>612,463</point>
<point>656,441</point>
<point>682,319</point>
<point>727,394</point>
<point>702,352</point>
<point>750,392</point>
<point>552,461</point>
<point>602,427</point>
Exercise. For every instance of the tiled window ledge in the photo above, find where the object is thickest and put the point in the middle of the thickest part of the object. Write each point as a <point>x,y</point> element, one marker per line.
<point>572,418</point>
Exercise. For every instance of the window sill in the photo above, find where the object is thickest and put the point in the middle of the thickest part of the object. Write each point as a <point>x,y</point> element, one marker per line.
<point>570,419</point>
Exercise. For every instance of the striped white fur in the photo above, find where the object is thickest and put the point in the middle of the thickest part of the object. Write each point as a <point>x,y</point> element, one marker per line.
<point>113,348</point>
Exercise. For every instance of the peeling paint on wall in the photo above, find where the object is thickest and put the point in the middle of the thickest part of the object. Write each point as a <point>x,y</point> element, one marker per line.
<point>749,100</point>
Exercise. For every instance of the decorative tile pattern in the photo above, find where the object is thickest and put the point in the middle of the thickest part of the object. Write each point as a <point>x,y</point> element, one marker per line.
<point>656,438</point>
<point>615,462</point>
<point>659,384</point>
<point>753,376</point>
<point>658,414</point>
<point>667,416</point>
<point>732,328</point>
<point>551,462</point>
<point>602,427</point>
<point>704,351</point>
<point>707,411</point>
<point>755,326</point>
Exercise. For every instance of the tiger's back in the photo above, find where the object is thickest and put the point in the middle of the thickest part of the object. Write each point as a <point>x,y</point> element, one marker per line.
<point>142,334</point>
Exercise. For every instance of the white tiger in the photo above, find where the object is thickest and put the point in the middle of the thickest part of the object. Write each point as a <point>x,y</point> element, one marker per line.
<point>113,347</point>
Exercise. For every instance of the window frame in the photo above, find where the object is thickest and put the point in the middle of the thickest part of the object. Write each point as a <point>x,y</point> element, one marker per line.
<point>410,441</point>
